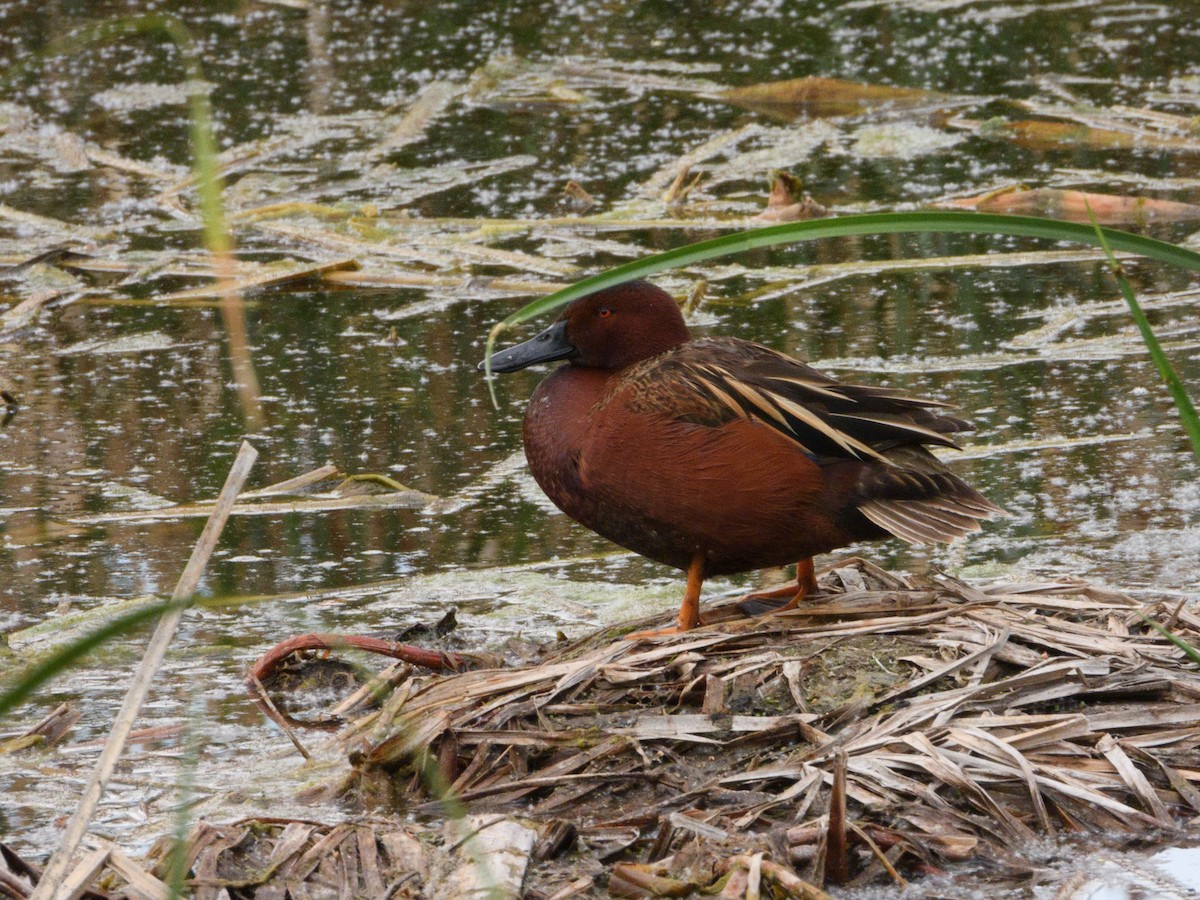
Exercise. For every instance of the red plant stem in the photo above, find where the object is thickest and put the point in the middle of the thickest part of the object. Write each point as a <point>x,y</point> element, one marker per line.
<point>435,660</point>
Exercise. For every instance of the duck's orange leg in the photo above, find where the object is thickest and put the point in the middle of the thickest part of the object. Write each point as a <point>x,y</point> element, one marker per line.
<point>689,610</point>
<point>806,583</point>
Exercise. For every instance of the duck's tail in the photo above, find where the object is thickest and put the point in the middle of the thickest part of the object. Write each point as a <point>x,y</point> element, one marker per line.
<point>918,499</point>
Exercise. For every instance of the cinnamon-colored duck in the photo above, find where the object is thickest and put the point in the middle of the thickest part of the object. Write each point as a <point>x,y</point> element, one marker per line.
<point>719,455</point>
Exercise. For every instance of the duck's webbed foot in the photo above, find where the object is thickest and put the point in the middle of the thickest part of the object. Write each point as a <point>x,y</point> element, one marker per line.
<point>677,628</point>
<point>762,602</point>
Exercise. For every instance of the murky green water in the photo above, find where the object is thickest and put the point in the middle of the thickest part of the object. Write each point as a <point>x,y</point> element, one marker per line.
<point>123,403</point>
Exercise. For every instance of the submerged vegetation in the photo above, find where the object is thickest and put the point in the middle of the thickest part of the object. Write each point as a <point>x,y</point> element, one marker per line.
<point>323,283</point>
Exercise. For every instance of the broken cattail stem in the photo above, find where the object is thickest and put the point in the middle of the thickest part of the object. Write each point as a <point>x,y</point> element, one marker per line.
<point>156,650</point>
<point>837,849</point>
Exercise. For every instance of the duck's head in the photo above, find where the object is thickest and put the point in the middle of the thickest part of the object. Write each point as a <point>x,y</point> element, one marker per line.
<point>610,329</point>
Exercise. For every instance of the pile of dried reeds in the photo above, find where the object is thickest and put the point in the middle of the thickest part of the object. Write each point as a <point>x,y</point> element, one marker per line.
<point>886,729</point>
<point>888,726</point>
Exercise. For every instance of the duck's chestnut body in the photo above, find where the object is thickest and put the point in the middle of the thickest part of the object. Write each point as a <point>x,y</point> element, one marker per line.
<point>667,485</point>
<point>719,455</point>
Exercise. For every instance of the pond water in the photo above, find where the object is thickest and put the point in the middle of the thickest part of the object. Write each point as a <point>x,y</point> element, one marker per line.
<point>130,397</point>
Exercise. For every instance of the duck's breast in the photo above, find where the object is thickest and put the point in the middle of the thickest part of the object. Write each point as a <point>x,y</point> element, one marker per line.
<point>557,421</point>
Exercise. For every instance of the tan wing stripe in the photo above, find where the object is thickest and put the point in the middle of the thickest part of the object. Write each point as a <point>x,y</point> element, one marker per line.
<point>812,420</point>
<point>882,393</point>
<point>968,506</point>
<point>899,424</point>
<point>815,387</point>
<point>956,521</point>
<point>741,412</point>
<point>760,402</point>
<point>919,524</point>
<point>872,392</point>
<point>934,534</point>
<point>903,515</point>
<point>886,520</point>
<point>723,397</point>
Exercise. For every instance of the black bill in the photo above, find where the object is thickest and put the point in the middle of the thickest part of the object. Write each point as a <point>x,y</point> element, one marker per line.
<point>548,346</point>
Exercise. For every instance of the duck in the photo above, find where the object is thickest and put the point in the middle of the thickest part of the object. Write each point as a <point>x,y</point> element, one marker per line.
<point>717,455</point>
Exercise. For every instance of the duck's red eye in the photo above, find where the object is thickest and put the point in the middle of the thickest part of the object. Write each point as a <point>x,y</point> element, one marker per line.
<point>604,312</point>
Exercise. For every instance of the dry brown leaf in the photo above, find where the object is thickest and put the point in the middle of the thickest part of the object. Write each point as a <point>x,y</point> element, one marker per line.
<point>817,96</point>
<point>1039,134</point>
<point>1074,206</point>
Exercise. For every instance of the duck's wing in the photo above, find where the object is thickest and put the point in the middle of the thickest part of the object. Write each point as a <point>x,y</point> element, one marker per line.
<point>715,380</point>
<point>918,499</point>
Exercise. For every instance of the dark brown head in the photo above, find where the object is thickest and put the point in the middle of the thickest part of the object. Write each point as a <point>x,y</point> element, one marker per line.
<point>610,329</point>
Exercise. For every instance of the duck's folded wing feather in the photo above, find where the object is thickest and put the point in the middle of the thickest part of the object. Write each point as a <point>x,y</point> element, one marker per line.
<point>716,380</point>
<point>920,500</point>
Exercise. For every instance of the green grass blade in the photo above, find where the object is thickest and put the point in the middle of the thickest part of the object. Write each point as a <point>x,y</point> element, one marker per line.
<point>62,659</point>
<point>176,867</point>
<point>204,148</point>
<point>845,226</point>
<point>1187,411</point>
<point>1191,652</point>
<point>217,239</point>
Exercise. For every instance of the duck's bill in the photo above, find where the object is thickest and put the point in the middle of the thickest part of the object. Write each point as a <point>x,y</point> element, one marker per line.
<point>550,345</point>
